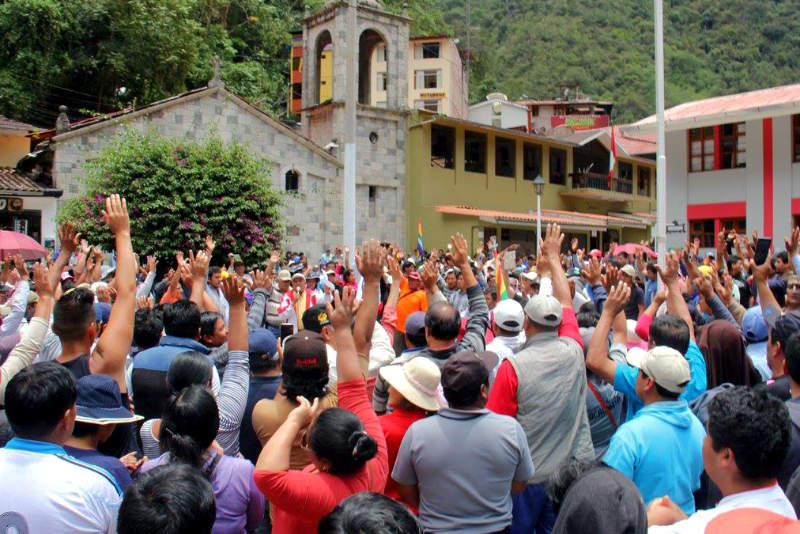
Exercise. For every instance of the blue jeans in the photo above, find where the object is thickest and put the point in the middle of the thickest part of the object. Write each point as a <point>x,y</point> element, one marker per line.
<point>533,511</point>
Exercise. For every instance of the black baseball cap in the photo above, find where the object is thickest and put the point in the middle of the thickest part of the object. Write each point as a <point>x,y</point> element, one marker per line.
<point>463,370</point>
<point>305,351</point>
<point>786,325</point>
<point>315,318</point>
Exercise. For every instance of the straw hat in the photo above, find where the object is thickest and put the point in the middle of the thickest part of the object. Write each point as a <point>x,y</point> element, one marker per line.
<point>417,380</point>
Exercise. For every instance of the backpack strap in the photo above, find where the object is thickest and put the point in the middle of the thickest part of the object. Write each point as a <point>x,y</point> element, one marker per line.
<point>602,404</point>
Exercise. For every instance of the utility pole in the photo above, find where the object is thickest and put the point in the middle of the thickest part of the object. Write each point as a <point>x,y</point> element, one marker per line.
<point>350,106</point>
<point>661,159</point>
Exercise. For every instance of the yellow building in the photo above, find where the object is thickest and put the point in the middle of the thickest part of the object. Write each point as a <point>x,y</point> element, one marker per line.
<point>13,141</point>
<point>436,78</point>
<point>478,180</point>
<point>326,75</point>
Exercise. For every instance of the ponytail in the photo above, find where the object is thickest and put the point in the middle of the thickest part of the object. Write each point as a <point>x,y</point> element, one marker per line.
<point>339,437</point>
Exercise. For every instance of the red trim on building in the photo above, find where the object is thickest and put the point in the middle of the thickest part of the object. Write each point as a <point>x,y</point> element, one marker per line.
<point>768,175</point>
<point>717,147</point>
<point>796,206</point>
<point>718,210</point>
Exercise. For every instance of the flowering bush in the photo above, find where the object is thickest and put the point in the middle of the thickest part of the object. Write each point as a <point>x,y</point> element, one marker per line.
<point>180,191</point>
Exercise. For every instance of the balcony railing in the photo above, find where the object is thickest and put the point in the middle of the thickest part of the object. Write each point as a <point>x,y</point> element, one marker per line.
<point>601,182</point>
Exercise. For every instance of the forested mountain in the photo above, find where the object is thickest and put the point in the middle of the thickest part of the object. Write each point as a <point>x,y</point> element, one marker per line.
<point>100,55</point>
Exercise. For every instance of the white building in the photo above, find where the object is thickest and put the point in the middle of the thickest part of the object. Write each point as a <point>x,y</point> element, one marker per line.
<point>733,162</point>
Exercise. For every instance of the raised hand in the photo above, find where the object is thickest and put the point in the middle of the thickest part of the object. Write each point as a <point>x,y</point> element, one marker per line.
<point>370,261</point>
<point>305,412</point>
<point>68,238</point>
<point>210,244</point>
<point>199,263</point>
<point>116,215</point>
<point>762,272</point>
<point>459,250</point>
<point>791,243</point>
<point>394,269</point>
<point>704,286</point>
<point>592,273</point>
<point>41,278</point>
<point>260,279</point>
<point>145,303</point>
<point>430,275</point>
<point>275,256</point>
<point>617,298</point>
<point>611,278</point>
<point>19,264</point>
<point>341,314</point>
<point>551,244</point>
<point>669,274</point>
<point>233,289</point>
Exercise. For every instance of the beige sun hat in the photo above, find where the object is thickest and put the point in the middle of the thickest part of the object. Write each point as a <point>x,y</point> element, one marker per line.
<point>417,380</point>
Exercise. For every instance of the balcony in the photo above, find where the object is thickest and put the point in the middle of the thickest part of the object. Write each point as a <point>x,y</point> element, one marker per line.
<point>598,186</point>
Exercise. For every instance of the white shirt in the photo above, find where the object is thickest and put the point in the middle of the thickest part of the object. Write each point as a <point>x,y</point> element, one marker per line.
<point>770,498</point>
<point>504,347</point>
<point>53,492</point>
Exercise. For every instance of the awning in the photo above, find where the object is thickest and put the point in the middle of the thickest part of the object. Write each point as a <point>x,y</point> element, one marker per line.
<point>15,183</point>
<point>570,220</point>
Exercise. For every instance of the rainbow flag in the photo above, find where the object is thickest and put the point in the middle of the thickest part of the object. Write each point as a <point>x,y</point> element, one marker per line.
<point>420,248</point>
<point>502,292</point>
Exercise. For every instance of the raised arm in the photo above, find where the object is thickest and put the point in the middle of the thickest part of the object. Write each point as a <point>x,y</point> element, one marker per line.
<point>370,264</point>
<point>551,249</point>
<point>769,304</point>
<point>255,317</point>
<point>115,343</point>
<point>69,240</point>
<point>675,303</point>
<point>478,310</point>
<point>389,318</point>
<point>199,266</point>
<point>597,359</point>
<point>347,366</point>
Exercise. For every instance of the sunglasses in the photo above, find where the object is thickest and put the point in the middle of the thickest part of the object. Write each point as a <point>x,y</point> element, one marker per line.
<point>793,287</point>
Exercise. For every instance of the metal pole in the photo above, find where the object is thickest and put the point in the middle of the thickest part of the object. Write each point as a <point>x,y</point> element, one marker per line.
<point>661,160</point>
<point>538,221</point>
<point>350,105</point>
<point>469,42</point>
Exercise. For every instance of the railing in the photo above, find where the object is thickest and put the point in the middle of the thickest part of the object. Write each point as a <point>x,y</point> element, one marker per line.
<point>601,182</point>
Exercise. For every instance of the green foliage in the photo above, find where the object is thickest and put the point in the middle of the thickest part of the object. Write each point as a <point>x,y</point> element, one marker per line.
<point>178,192</point>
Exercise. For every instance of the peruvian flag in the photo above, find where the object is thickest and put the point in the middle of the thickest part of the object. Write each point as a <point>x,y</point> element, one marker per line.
<point>612,158</point>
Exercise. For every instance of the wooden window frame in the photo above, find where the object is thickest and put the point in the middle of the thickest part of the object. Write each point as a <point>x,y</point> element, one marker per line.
<point>704,136</point>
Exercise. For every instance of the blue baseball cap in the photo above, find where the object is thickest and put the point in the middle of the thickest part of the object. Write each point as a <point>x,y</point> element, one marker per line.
<point>102,311</point>
<point>754,326</point>
<point>262,341</point>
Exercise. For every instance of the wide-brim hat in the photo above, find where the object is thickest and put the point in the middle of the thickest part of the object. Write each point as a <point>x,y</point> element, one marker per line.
<point>99,402</point>
<point>417,380</point>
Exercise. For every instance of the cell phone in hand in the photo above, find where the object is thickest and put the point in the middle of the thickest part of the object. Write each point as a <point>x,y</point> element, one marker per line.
<point>287,329</point>
<point>729,245</point>
<point>762,249</point>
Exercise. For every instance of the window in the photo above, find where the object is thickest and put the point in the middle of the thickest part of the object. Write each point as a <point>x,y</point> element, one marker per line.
<point>504,156</point>
<point>733,147</point>
<point>738,225</point>
<point>430,50</point>
<point>292,181</point>
<point>296,62</point>
<point>443,140</point>
<point>427,79</point>
<point>380,83</point>
<point>373,200</point>
<point>624,178</point>
<point>474,152</point>
<point>532,161</point>
<point>380,54</point>
<point>701,149</point>
<point>297,91</point>
<point>426,51</point>
<point>704,231</point>
<point>427,105</point>
<point>643,186</point>
<point>558,166</point>
<point>796,137</point>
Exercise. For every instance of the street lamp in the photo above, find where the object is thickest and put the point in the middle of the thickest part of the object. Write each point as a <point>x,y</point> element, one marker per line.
<point>538,188</point>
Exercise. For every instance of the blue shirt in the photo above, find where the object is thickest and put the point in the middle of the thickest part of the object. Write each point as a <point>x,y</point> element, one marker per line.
<point>625,379</point>
<point>109,463</point>
<point>650,290</point>
<point>661,450</point>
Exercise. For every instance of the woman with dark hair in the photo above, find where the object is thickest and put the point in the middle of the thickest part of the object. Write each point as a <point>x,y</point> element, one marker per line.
<point>188,429</point>
<point>723,347</point>
<point>369,512</point>
<point>347,446</point>
<point>304,371</point>
<point>193,368</point>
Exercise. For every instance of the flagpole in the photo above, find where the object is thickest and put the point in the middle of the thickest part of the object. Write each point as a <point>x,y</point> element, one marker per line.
<point>661,160</point>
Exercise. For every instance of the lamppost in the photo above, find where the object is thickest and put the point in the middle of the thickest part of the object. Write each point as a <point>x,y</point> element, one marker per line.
<point>538,188</point>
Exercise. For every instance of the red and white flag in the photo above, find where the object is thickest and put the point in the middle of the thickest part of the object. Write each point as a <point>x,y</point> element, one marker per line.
<point>612,158</point>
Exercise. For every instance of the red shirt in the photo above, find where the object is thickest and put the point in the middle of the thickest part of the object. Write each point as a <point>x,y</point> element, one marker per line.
<point>300,499</point>
<point>503,395</point>
<point>394,426</point>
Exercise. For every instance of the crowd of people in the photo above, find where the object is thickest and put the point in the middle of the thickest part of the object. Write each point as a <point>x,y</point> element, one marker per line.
<point>452,391</point>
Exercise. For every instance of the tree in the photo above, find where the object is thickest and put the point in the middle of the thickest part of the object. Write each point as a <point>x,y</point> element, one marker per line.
<point>180,191</point>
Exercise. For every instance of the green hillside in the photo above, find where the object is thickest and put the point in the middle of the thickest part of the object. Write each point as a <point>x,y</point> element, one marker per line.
<point>101,55</point>
<point>712,47</point>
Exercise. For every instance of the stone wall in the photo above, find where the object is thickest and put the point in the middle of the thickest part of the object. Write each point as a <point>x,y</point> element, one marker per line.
<point>307,214</point>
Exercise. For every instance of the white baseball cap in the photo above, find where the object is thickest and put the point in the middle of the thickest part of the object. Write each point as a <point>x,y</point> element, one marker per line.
<point>544,310</point>
<point>629,270</point>
<point>665,365</point>
<point>508,315</point>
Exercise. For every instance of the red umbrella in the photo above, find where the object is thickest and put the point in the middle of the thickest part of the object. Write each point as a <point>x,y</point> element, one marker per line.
<point>12,243</point>
<point>632,248</point>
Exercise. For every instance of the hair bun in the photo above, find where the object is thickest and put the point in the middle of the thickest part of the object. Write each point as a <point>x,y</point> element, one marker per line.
<point>364,446</point>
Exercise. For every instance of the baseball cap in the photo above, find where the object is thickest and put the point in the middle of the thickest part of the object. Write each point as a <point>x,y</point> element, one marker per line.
<point>544,310</point>
<point>754,326</point>
<point>66,275</point>
<point>415,324</point>
<point>315,318</point>
<point>99,402</point>
<point>285,275</point>
<point>314,275</point>
<point>305,351</point>
<point>463,370</point>
<point>532,276</point>
<point>785,325</point>
<point>298,275</point>
<point>508,315</point>
<point>595,253</point>
<point>629,270</point>
<point>575,272</point>
<point>102,311</point>
<point>752,521</point>
<point>262,341</point>
<point>665,365</point>
<point>330,273</point>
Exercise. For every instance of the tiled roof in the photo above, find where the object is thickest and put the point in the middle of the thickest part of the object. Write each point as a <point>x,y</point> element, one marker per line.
<point>729,104</point>
<point>564,218</point>
<point>11,124</point>
<point>632,144</point>
<point>11,180</point>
